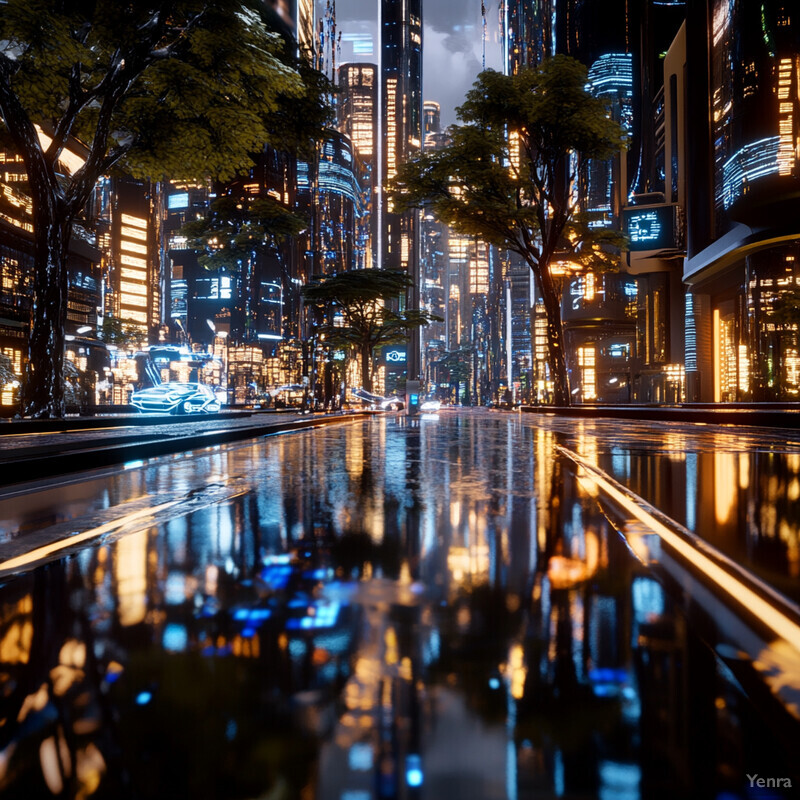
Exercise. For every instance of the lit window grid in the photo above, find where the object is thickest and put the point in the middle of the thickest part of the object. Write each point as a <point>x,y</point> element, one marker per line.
<point>133,274</point>
<point>135,300</point>
<point>133,261</point>
<point>128,288</point>
<point>136,222</point>
<point>586,362</point>
<point>133,247</point>
<point>132,233</point>
<point>15,355</point>
<point>391,127</point>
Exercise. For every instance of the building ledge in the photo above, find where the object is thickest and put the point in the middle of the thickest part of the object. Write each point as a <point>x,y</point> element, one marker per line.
<point>735,245</point>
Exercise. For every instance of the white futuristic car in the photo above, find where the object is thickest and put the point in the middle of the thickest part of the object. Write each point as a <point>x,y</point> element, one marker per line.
<point>176,398</point>
<point>391,403</point>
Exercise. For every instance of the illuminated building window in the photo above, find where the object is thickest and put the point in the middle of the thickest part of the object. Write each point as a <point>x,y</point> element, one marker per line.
<point>586,363</point>
<point>126,287</point>
<point>137,222</point>
<point>132,261</point>
<point>133,247</point>
<point>8,391</point>
<point>135,316</point>
<point>134,300</point>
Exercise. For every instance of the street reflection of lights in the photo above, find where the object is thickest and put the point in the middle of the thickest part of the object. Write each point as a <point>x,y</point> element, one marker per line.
<point>517,671</point>
<point>738,591</point>
<point>130,572</point>
<point>390,642</point>
<point>360,757</point>
<point>34,702</point>
<point>52,755</point>
<point>40,553</point>
<point>175,638</point>
<point>744,470</point>
<point>414,775</point>
<point>143,698</point>
<point>724,486</point>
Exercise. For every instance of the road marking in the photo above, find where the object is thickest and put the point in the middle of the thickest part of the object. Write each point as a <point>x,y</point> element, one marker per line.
<point>780,624</point>
<point>47,550</point>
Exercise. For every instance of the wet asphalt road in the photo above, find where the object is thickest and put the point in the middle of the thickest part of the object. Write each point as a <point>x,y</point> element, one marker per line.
<point>432,608</point>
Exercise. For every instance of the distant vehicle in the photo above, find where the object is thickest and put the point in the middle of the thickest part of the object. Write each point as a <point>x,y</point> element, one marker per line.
<point>392,403</point>
<point>430,406</point>
<point>176,398</point>
<point>287,387</point>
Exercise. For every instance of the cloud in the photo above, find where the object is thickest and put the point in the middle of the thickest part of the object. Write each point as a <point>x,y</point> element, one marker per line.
<point>452,49</point>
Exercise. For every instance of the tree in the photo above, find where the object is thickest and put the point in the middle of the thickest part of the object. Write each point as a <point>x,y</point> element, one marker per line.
<point>114,332</point>
<point>178,88</point>
<point>508,176</point>
<point>362,297</point>
<point>237,230</point>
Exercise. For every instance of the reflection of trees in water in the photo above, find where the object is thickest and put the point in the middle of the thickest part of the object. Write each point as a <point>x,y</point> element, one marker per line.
<point>475,629</point>
<point>353,551</point>
<point>216,727</point>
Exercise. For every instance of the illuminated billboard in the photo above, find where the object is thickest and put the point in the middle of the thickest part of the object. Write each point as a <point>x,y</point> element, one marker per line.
<point>395,356</point>
<point>650,227</point>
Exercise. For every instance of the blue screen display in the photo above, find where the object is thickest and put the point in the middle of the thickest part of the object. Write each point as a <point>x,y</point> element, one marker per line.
<point>649,227</point>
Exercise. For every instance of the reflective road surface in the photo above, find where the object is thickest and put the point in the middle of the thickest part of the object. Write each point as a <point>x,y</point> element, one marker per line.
<point>448,607</point>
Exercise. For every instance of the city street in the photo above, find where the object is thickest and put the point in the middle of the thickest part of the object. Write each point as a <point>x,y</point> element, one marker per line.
<point>471,604</point>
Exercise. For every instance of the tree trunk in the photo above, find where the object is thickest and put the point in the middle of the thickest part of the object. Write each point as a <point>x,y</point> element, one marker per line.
<point>366,367</point>
<point>43,389</point>
<point>43,392</point>
<point>555,334</point>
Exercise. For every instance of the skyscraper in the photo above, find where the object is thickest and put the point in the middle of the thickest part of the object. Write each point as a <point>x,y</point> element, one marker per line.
<point>358,119</point>
<point>742,105</point>
<point>432,118</point>
<point>401,121</point>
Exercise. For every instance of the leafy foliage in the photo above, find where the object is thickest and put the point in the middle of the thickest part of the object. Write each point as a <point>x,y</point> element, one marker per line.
<point>236,228</point>
<point>7,375</point>
<point>114,332</point>
<point>361,298</point>
<point>785,309</point>
<point>180,89</point>
<point>508,174</point>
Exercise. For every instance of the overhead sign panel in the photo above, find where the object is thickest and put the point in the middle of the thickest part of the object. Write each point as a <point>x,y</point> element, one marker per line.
<point>650,227</point>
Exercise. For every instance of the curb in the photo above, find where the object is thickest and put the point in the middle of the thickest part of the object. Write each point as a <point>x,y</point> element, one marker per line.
<point>89,455</point>
<point>763,418</point>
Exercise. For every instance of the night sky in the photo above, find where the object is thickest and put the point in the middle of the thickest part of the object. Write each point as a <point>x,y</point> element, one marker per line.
<point>452,45</point>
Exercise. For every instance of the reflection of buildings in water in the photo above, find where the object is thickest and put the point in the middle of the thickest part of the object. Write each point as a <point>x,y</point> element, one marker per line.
<point>739,500</point>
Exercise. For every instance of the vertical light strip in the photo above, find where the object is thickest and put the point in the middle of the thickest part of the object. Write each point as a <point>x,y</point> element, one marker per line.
<point>509,350</point>
<point>379,149</point>
<point>717,365</point>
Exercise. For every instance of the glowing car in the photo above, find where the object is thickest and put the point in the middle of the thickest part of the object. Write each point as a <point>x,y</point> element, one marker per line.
<point>176,398</point>
<point>392,403</point>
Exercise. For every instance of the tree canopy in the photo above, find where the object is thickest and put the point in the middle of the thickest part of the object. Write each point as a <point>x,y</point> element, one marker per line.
<point>156,89</point>
<point>180,89</point>
<point>237,227</point>
<point>511,172</point>
<point>362,300</point>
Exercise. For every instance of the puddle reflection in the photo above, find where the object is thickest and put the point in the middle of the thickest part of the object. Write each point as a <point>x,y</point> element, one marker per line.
<point>394,610</point>
<point>739,494</point>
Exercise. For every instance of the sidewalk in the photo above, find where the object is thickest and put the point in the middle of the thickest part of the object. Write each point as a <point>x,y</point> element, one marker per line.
<point>762,416</point>
<point>33,450</point>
